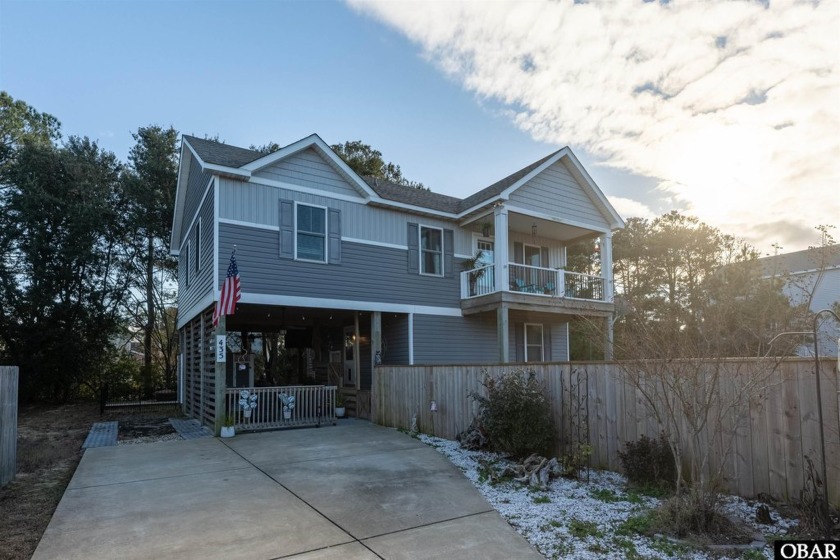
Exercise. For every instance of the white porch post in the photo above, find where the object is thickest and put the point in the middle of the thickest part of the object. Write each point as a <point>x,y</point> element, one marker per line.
<point>503,332</point>
<point>220,376</point>
<point>411,339</point>
<point>375,336</point>
<point>607,266</point>
<point>501,259</point>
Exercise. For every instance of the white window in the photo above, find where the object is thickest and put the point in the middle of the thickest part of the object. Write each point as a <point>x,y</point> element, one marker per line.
<point>187,264</point>
<point>431,251</point>
<point>197,245</point>
<point>310,233</point>
<point>534,343</point>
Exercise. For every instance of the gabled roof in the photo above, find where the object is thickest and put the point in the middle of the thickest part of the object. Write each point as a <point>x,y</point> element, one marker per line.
<point>499,187</point>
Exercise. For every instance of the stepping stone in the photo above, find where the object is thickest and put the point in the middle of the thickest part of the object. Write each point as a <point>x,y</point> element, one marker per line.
<point>102,434</point>
<point>190,429</point>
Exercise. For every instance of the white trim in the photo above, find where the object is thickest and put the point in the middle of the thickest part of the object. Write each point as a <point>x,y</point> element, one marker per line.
<point>306,190</point>
<point>411,339</point>
<point>556,219</point>
<point>420,251</point>
<point>539,249</point>
<point>177,212</point>
<point>242,223</point>
<point>375,243</point>
<point>187,264</point>
<point>326,231</point>
<point>200,204</point>
<point>311,141</point>
<point>193,310</point>
<point>235,171</point>
<point>352,305</point>
<point>542,341</point>
<point>216,189</point>
<point>415,209</point>
<point>460,256</point>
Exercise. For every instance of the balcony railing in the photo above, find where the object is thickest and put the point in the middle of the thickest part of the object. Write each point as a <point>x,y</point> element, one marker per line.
<point>533,280</point>
<point>272,408</point>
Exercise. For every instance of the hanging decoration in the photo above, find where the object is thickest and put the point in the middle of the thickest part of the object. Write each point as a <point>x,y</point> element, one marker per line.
<point>247,401</point>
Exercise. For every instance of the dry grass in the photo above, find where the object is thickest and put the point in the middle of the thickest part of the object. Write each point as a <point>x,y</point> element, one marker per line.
<point>49,449</point>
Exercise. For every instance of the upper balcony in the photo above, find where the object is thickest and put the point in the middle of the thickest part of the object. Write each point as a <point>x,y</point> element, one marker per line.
<point>534,288</point>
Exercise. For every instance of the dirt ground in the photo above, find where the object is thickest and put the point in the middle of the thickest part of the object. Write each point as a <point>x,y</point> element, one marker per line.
<point>49,449</point>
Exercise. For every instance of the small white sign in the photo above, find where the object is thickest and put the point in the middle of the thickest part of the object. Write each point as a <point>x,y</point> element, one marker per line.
<point>221,348</point>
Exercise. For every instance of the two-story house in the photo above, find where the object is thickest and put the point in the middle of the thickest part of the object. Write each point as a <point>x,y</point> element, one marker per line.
<point>358,270</point>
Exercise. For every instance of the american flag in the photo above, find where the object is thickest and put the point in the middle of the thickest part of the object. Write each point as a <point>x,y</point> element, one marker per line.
<point>231,292</point>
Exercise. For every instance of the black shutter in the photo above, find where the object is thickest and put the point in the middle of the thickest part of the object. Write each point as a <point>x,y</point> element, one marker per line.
<point>287,226</point>
<point>448,253</point>
<point>413,249</point>
<point>335,236</point>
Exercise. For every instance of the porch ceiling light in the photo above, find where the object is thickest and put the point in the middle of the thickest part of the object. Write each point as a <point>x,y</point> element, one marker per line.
<point>433,406</point>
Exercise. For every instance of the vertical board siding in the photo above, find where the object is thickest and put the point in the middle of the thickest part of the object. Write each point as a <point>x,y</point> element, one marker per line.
<point>366,272</point>
<point>309,169</point>
<point>555,191</point>
<point>455,340</point>
<point>764,444</point>
<point>255,203</point>
<point>201,281</point>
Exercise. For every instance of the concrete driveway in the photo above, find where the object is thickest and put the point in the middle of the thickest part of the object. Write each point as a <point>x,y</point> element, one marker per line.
<point>352,491</point>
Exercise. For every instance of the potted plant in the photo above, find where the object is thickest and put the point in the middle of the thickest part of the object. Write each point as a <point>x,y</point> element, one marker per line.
<point>228,429</point>
<point>475,275</point>
<point>339,405</point>
<point>288,402</point>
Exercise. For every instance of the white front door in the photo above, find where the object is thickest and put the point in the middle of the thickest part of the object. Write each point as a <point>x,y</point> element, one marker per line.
<point>348,366</point>
<point>487,281</point>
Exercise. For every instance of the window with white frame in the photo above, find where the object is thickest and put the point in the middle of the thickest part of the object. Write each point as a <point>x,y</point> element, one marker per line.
<point>431,251</point>
<point>197,245</point>
<point>310,233</point>
<point>534,351</point>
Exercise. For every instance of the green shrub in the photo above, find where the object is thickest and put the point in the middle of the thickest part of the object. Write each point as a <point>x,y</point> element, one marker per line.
<point>516,415</point>
<point>649,462</point>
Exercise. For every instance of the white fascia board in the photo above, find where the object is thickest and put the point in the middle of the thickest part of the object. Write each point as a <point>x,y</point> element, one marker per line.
<point>416,209</point>
<point>180,192</point>
<point>555,219</point>
<point>185,317</point>
<point>225,170</point>
<point>216,187</point>
<point>350,305</point>
<point>243,223</point>
<point>313,141</point>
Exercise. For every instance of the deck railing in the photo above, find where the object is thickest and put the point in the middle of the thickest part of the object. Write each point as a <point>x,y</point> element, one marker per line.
<point>300,405</point>
<point>533,280</point>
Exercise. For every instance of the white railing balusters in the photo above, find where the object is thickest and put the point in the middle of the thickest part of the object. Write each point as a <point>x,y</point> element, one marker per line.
<point>313,405</point>
<point>533,280</point>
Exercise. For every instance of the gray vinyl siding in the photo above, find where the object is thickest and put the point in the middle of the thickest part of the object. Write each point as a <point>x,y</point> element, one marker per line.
<point>309,169</point>
<point>455,340</point>
<point>196,186</point>
<point>555,191</point>
<point>201,282</point>
<point>366,272</point>
<point>394,339</point>
<point>555,336</point>
<point>259,204</point>
<point>556,255</point>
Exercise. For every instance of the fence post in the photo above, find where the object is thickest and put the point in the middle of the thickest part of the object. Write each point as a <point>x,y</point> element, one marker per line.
<point>8,422</point>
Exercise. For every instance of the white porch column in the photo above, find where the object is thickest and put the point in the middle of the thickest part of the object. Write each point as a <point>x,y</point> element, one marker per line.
<point>503,332</point>
<point>607,266</point>
<point>411,339</point>
<point>501,260</point>
<point>220,351</point>
<point>375,336</point>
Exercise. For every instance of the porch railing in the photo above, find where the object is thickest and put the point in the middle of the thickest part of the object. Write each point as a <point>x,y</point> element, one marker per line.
<point>313,405</point>
<point>533,280</point>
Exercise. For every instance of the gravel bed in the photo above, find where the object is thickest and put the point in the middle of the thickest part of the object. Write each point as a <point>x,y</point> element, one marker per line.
<point>580,519</point>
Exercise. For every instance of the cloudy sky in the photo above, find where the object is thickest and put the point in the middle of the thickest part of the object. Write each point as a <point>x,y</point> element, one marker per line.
<point>726,110</point>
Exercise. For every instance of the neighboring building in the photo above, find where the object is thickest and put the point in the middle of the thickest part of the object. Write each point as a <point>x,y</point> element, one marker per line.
<point>811,277</point>
<point>348,267</point>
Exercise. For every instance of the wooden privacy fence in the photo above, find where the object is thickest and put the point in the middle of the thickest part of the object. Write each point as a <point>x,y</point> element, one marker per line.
<point>8,422</point>
<point>764,444</point>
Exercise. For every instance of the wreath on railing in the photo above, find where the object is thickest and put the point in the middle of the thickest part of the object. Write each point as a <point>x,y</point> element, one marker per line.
<point>247,401</point>
<point>288,404</point>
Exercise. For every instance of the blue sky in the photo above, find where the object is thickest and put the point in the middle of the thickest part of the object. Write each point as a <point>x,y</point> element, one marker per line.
<point>457,98</point>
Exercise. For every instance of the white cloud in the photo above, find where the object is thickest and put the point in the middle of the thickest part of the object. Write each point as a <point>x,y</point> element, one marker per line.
<point>628,208</point>
<point>733,106</point>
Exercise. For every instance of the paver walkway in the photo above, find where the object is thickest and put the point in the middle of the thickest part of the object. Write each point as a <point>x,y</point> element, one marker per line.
<point>102,434</point>
<point>190,429</point>
<point>354,491</point>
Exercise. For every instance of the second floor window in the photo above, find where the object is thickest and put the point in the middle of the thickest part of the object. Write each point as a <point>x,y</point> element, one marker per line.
<point>311,233</point>
<point>431,251</point>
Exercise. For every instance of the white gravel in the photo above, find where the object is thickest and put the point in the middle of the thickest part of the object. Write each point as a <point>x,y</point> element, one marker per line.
<point>579,519</point>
